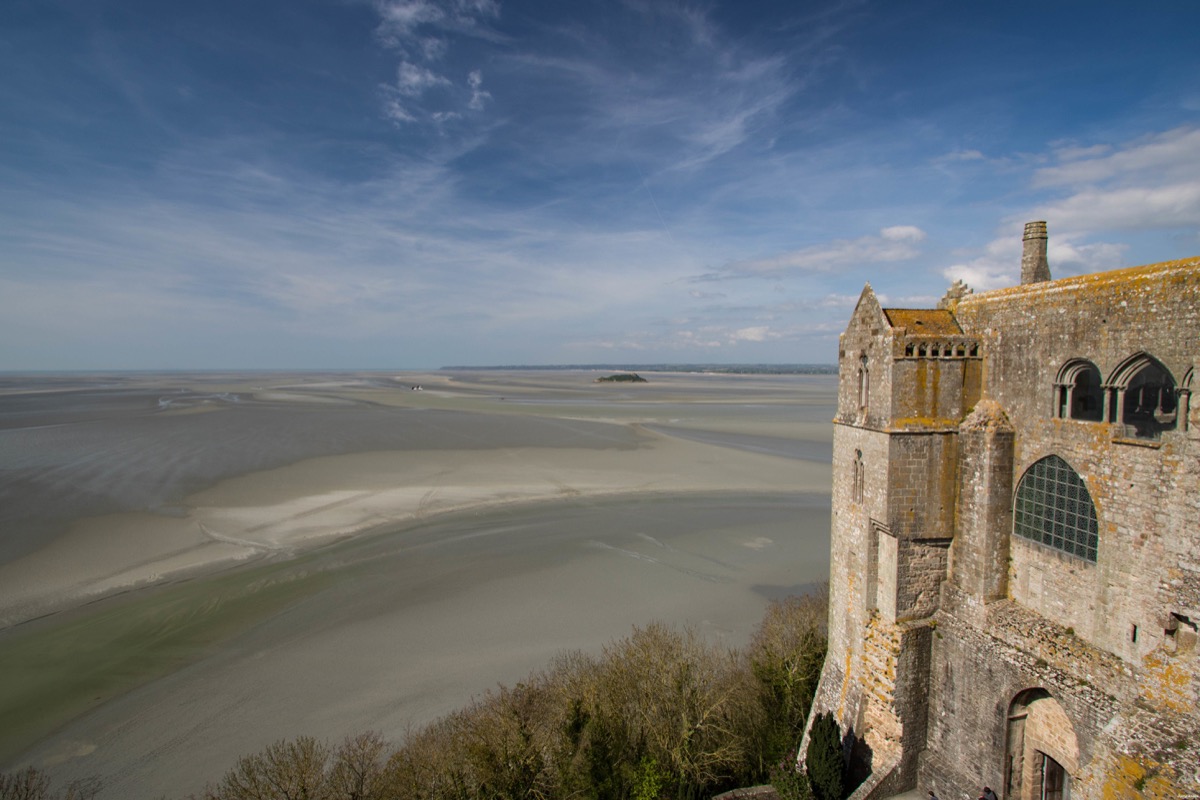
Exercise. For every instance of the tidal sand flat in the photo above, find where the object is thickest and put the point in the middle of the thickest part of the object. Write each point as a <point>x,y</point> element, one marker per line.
<point>348,553</point>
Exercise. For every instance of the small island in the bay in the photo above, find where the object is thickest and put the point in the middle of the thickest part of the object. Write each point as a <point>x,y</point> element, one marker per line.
<point>622,377</point>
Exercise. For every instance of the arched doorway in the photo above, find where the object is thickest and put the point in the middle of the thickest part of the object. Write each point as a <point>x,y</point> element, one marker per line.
<point>1041,750</point>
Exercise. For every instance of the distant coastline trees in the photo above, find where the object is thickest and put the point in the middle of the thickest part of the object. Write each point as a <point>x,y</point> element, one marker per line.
<point>622,377</point>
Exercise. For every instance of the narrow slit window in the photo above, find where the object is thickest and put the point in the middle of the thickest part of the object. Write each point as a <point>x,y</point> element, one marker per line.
<point>864,383</point>
<point>859,477</point>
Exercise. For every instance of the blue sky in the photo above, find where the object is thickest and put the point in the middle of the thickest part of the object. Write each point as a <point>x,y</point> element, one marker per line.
<point>414,183</point>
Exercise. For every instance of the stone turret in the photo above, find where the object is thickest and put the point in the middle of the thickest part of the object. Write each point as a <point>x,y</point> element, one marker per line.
<point>1034,267</point>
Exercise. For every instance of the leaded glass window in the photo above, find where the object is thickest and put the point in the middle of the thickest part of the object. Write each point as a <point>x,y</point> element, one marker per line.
<point>1054,508</point>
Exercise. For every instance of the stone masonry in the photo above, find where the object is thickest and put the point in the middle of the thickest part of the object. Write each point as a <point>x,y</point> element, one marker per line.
<point>1015,566</point>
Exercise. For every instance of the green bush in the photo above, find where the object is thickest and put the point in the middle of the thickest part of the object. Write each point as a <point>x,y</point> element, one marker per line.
<point>789,780</point>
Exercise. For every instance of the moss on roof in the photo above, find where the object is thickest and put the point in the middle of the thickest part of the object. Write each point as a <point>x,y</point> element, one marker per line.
<point>1167,274</point>
<point>923,321</point>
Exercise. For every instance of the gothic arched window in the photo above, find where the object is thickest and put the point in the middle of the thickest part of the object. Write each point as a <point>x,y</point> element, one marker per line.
<point>1143,397</point>
<point>1080,395</point>
<point>1053,507</point>
<point>1149,405</point>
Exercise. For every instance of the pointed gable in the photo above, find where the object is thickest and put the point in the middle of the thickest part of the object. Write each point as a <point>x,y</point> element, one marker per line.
<point>868,313</point>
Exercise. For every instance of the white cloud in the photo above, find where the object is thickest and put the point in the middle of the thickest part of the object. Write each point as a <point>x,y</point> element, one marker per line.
<point>1075,152</point>
<point>1175,205</point>
<point>1000,265</point>
<point>982,274</point>
<point>478,95</point>
<point>413,80</point>
<point>400,21</point>
<point>895,243</point>
<point>903,233</point>
<point>1152,183</point>
<point>419,30</point>
<point>1070,258</point>
<point>712,98</point>
<point>399,18</point>
<point>906,301</point>
<point>839,301</point>
<point>394,110</point>
<point>683,339</point>
<point>962,155</point>
<point>718,128</point>
<point>757,333</point>
<point>1172,153</point>
<point>1149,184</point>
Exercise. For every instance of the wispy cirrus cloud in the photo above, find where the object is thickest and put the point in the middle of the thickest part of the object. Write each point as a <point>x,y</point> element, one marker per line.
<point>456,181</point>
<point>669,119</point>
<point>1149,183</point>
<point>403,23</point>
<point>1152,157</point>
<point>478,94</point>
<point>894,243</point>
<point>421,30</point>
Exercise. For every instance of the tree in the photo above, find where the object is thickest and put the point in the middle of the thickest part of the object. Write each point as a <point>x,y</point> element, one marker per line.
<point>786,655</point>
<point>823,760</point>
<point>33,784</point>
<point>292,770</point>
<point>358,768</point>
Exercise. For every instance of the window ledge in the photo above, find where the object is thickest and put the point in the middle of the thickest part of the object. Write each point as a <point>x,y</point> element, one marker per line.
<point>1154,444</point>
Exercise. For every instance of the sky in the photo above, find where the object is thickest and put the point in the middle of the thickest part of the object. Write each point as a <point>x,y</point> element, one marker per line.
<point>407,184</point>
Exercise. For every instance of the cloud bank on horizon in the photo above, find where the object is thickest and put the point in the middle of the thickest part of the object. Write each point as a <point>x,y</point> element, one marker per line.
<point>412,183</point>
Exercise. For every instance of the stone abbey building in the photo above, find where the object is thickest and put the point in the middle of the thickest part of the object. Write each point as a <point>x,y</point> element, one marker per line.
<point>1015,579</point>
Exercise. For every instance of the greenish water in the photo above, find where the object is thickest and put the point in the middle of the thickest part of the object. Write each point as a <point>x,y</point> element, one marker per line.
<point>54,670</point>
<point>406,581</point>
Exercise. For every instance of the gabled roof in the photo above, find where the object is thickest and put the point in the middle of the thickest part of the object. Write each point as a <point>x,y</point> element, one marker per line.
<point>923,321</point>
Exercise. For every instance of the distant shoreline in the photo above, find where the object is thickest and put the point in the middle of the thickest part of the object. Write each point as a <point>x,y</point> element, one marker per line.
<point>719,369</point>
<point>241,372</point>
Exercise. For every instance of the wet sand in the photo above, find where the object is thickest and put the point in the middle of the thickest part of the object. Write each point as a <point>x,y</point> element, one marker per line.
<point>343,553</point>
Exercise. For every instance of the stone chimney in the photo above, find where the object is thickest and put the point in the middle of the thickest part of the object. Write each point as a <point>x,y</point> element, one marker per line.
<point>1034,267</point>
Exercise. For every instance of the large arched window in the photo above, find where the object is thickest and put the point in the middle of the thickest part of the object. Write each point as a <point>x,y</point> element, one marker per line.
<point>1054,508</point>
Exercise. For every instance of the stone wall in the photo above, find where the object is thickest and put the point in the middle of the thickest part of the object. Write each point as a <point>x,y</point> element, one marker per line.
<point>960,651</point>
<point>937,392</point>
<point>1028,332</point>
